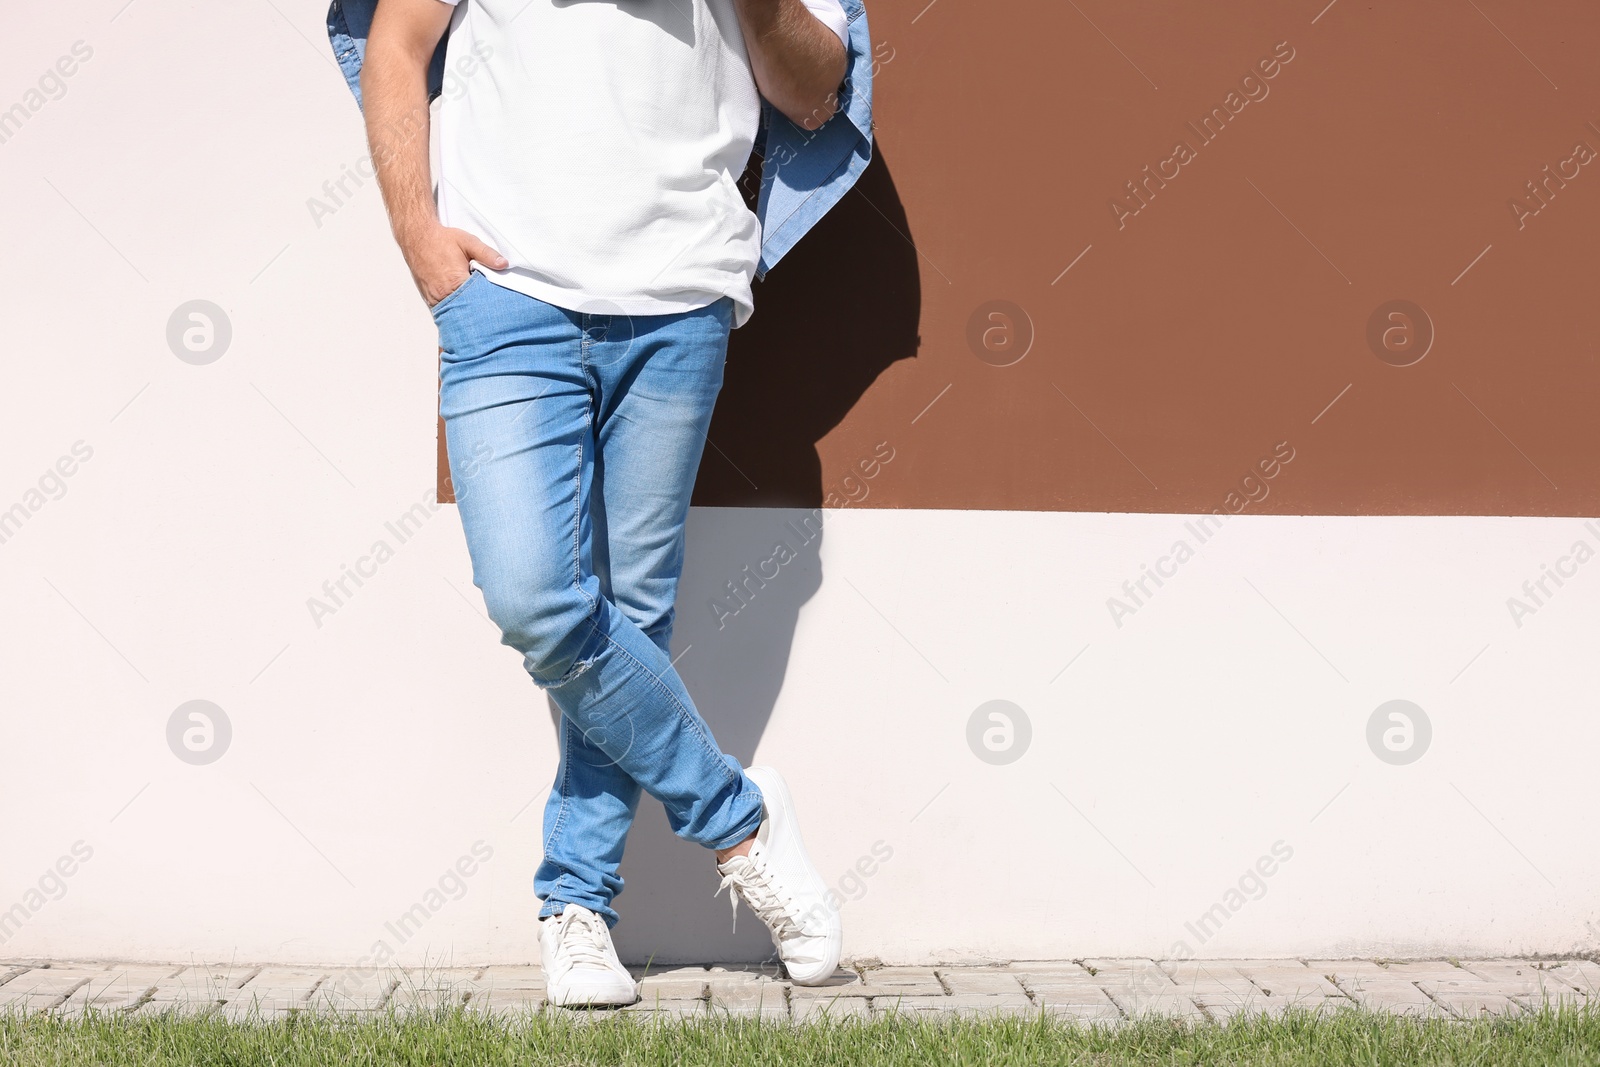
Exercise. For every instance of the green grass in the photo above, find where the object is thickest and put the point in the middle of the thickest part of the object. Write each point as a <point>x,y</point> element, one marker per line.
<point>1550,1039</point>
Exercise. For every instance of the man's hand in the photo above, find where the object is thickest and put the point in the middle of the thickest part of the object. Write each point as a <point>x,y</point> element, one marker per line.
<point>799,63</point>
<point>394,87</point>
<point>439,258</point>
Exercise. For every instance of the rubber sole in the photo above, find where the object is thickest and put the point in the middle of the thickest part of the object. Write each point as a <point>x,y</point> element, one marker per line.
<point>593,998</point>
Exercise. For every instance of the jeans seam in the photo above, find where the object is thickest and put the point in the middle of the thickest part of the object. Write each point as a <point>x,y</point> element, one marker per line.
<point>577,515</point>
<point>683,712</point>
<point>561,785</point>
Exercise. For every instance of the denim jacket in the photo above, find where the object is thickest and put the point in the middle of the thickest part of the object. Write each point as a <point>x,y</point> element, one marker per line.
<point>803,173</point>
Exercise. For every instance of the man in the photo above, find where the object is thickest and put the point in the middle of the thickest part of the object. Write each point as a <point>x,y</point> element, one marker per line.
<point>586,256</point>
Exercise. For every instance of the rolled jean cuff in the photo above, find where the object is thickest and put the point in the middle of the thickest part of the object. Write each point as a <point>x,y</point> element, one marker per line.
<point>746,826</point>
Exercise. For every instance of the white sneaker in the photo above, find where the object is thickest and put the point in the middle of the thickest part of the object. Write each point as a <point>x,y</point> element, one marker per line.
<point>778,882</point>
<point>581,968</point>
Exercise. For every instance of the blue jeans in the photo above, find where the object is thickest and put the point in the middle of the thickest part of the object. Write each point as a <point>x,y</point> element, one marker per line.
<point>574,440</point>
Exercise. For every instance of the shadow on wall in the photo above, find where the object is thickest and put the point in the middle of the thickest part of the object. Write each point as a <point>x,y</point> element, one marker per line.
<point>840,309</point>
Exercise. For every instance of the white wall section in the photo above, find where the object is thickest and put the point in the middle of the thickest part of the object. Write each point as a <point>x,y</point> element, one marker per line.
<point>1199,780</point>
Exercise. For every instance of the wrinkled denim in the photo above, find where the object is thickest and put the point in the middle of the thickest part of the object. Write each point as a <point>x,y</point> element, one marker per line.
<point>574,441</point>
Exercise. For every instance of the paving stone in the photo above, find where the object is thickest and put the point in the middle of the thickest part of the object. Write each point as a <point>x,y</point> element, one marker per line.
<point>752,972</point>
<point>756,991</point>
<point>1459,982</point>
<point>273,991</point>
<point>1469,995</point>
<point>584,1015</point>
<point>1472,1005</point>
<point>1390,996</point>
<point>250,1012</point>
<point>191,990</point>
<point>1386,971</point>
<point>1083,1014</point>
<point>7,974</point>
<point>1532,985</point>
<point>495,1001</point>
<point>899,981</point>
<point>1063,990</point>
<point>429,989</point>
<point>1044,967</point>
<point>1341,969</point>
<point>1384,988</point>
<point>966,1005</point>
<point>1054,976</point>
<point>1553,999</point>
<point>672,983</point>
<point>1227,1007</point>
<point>663,1009</point>
<point>1209,978</point>
<point>440,977</point>
<point>219,976</point>
<point>1269,966</point>
<point>195,989</point>
<point>739,976</point>
<point>761,998</point>
<point>842,984</point>
<point>290,982</point>
<point>1287,979</point>
<point>509,978</point>
<point>119,988</point>
<point>1582,975</point>
<point>980,981</point>
<point>415,999</point>
<point>45,988</point>
<point>1087,997</point>
<point>1519,977</point>
<point>1224,1008</point>
<point>1168,1005</point>
<point>1135,978</point>
<point>349,991</point>
<point>1430,971</point>
<point>1446,986</point>
<point>804,1008</point>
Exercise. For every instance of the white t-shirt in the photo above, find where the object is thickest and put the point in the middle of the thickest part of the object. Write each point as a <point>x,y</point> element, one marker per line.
<point>596,144</point>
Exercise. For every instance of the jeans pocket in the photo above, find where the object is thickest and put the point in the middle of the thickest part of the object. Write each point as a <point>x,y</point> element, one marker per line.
<point>452,294</point>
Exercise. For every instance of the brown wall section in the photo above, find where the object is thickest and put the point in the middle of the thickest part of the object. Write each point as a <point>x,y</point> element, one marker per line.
<point>996,319</point>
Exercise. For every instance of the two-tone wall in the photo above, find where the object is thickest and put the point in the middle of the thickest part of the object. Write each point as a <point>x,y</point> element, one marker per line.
<point>1139,509</point>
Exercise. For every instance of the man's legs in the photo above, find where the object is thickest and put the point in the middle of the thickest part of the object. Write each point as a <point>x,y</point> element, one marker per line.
<point>544,408</point>
<point>656,392</point>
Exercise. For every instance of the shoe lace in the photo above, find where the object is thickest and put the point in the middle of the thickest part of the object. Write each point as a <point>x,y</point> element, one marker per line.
<point>583,938</point>
<point>752,882</point>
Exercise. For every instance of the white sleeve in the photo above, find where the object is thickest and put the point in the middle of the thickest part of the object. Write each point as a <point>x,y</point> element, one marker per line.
<point>829,11</point>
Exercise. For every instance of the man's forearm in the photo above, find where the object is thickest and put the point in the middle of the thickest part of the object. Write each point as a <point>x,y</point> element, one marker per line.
<point>799,63</point>
<point>394,86</point>
<point>395,91</point>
